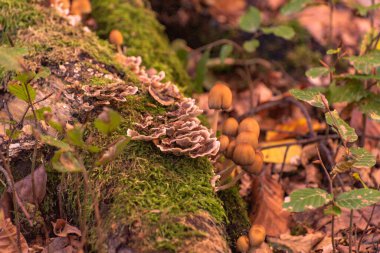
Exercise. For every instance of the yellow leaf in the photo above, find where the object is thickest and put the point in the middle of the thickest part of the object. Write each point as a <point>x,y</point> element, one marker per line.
<point>276,155</point>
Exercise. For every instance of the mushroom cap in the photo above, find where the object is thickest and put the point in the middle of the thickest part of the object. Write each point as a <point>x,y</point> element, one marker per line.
<point>256,235</point>
<point>248,137</point>
<point>249,125</point>
<point>257,166</point>
<point>220,97</point>
<point>244,154</point>
<point>242,244</point>
<point>116,37</point>
<point>230,149</point>
<point>230,127</point>
<point>224,141</point>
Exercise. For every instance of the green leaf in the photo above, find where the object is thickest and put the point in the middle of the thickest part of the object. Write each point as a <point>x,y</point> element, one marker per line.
<point>312,97</point>
<point>66,162</point>
<point>358,198</point>
<point>113,150</point>
<point>108,121</point>
<point>201,69</point>
<point>251,20</point>
<point>371,106</point>
<point>347,132</point>
<point>282,31</point>
<point>251,45</point>
<point>40,112</point>
<point>294,6</point>
<point>363,10</point>
<point>358,77</point>
<point>305,199</point>
<point>332,210</point>
<point>352,91</point>
<point>10,58</point>
<point>225,51</point>
<point>362,158</point>
<point>75,136</point>
<point>365,63</point>
<point>20,92</point>
<point>343,166</point>
<point>47,139</point>
<point>43,73</point>
<point>333,51</point>
<point>13,135</point>
<point>317,72</point>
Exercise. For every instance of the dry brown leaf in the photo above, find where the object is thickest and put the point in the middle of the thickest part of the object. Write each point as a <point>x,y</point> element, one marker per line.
<point>299,244</point>
<point>264,248</point>
<point>62,229</point>
<point>267,199</point>
<point>8,237</point>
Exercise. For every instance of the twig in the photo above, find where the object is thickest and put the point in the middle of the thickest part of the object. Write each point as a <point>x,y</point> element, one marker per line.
<point>283,163</point>
<point>350,231</point>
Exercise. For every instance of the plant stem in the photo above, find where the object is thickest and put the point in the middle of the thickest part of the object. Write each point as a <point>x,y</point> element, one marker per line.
<point>350,231</point>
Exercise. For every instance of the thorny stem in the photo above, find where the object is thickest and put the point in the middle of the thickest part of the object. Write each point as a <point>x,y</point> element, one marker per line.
<point>331,190</point>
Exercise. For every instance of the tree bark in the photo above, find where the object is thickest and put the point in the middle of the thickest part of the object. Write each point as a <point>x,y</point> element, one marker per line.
<point>148,201</point>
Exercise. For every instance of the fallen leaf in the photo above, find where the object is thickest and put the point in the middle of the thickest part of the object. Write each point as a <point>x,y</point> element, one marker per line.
<point>8,237</point>
<point>268,196</point>
<point>276,155</point>
<point>62,229</point>
<point>299,244</point>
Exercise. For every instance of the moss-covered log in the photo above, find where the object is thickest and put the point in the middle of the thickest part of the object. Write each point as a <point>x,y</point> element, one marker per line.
<point>149,201</point>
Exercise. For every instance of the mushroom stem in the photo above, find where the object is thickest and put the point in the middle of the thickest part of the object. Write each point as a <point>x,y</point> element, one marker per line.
<point>227,171</point>
<point>119,50</point>
<point>215,121</point>
<point>230,184</point>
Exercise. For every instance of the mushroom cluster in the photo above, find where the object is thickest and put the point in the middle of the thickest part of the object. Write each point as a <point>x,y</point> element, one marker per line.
<point>179,132</point>
<point>72,11</point>
<point>256,236</point>
<point>238,142</point>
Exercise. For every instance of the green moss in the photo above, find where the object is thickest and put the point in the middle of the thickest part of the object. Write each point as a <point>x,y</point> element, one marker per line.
<point>143,36</point>
<point>236,210</point>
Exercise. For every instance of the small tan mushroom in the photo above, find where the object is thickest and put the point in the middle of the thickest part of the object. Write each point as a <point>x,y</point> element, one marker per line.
<point>248,137</point>
<point>256,235</point>
<point>116,38</point>
<point>249,125</point>
<point>244,154</point>
<point>230,149</point>
<point>242,244</point>
<point>224,141</point>
<point>80,7</point>
<point>257,166</point>
<point>219,98</point>
<point>230,127</point>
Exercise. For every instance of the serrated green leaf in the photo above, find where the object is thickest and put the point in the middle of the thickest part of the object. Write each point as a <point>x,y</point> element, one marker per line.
<point>306,199</point>
<point>352,91</point>
<point>282,31</point>
<point>9,58</point>
<point>47,139</point>
<point>371,106</point>
<point>225,51</point>
<point>365,63</point>
<point>66,162</point>
<point>20,92</point>
<point>312,97</point>
<point>347,132</point>
<point>358,198</point>
<point>333,51</point>
<point>343,166</point>
<point>332,210</point>
<point>201,69</point>
<point>113,150</point>
<point>251,20</point>
<point>294,6</point>
<point>42,73</point>
<point>251,45</point>
<point>317,72</point>
<point>362,158</point>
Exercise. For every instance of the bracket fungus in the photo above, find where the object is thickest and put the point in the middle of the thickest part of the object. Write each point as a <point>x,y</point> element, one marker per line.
<point>179,133</point>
